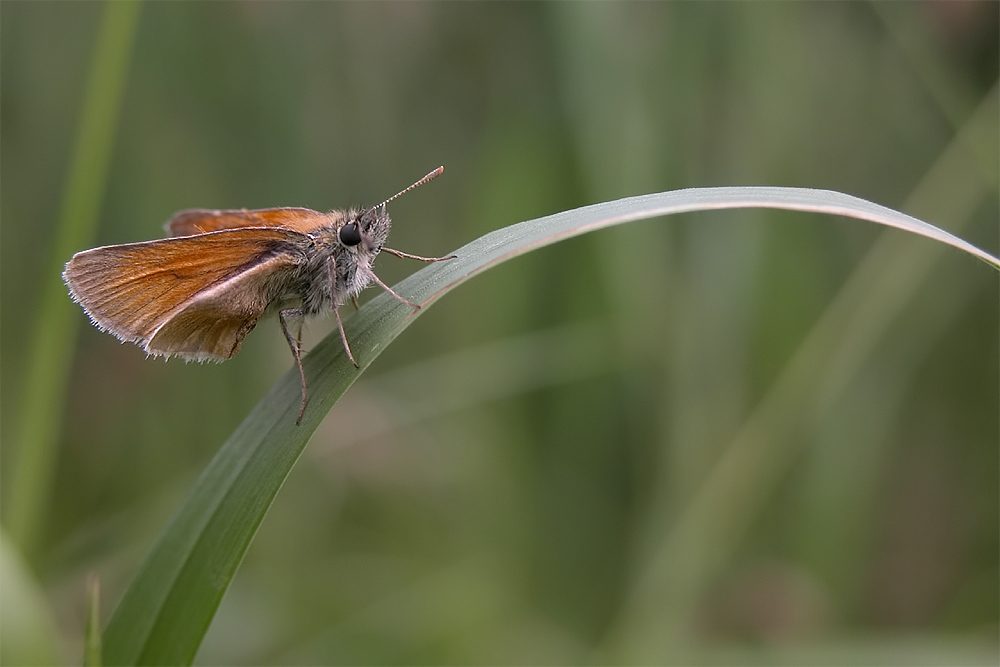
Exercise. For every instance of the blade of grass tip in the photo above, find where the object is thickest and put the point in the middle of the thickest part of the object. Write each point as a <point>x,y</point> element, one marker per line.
<point>52,339</point>
<point>168,607</point>
<point>92,633</point>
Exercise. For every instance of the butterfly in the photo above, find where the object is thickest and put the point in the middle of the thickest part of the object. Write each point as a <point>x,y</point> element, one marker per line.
<point>197,294</point>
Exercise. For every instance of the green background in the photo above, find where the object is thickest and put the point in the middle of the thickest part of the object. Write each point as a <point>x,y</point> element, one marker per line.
<point>496,488</point>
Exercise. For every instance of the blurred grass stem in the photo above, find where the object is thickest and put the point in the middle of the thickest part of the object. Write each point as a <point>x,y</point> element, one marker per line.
<point>52,338</point>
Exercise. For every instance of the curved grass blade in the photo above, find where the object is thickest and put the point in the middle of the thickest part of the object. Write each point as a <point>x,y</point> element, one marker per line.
<point>169,606</point>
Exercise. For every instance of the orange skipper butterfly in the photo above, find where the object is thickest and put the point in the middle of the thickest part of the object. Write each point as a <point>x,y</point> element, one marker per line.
<point>197,294</point>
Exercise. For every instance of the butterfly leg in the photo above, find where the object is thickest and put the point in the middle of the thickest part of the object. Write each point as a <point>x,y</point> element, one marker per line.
<point>331,267</point>
<point>295,344</point>
<point>378,281</point>
<point>343,337</point>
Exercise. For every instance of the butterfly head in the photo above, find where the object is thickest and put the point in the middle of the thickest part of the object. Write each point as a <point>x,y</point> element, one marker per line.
<point>365,231</point>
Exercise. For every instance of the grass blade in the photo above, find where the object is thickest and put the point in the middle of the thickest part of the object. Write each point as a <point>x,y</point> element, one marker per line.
<point>92,630</point>
<point>169,606</point>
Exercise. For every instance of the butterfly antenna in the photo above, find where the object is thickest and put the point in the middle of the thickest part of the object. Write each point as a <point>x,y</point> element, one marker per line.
<point>429,177</point>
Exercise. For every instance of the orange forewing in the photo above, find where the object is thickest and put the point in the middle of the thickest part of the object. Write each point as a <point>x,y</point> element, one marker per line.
<point>201,220</point>
<point>196,296</point>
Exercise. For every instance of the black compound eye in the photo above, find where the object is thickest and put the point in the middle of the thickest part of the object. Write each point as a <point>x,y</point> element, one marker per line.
<point>350,235</point>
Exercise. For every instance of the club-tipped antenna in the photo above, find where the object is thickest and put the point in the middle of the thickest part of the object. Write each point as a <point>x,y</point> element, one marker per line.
<point>429,177</point>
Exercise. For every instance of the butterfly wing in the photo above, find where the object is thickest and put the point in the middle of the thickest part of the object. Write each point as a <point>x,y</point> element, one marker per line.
<point>196,297</point>
<point>201,220</point>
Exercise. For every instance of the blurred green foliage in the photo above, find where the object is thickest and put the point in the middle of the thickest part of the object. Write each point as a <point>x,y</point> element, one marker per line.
<point>495,490</point>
